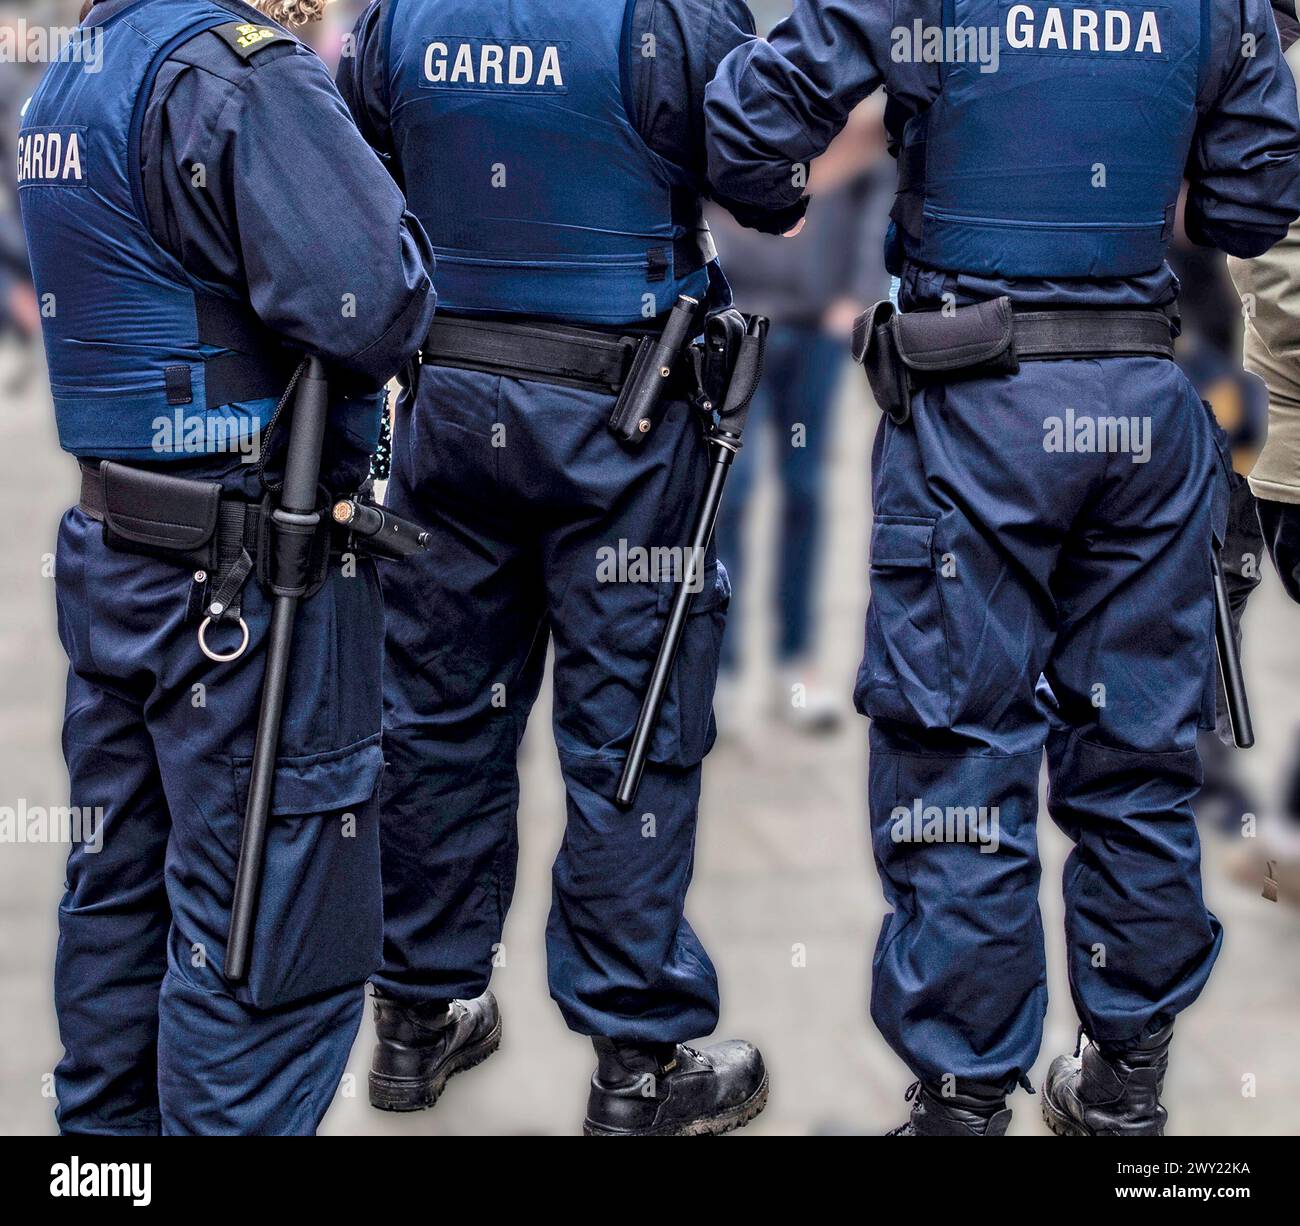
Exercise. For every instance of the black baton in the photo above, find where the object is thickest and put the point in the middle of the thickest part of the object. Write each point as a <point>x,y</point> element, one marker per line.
<point>1234,681</point>
<point>297,520</point>
<point>724,443</point>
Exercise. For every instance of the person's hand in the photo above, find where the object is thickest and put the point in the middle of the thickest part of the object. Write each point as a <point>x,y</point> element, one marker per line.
<point>798,229</point>
<point>24,309</point>
<point>840,317</point>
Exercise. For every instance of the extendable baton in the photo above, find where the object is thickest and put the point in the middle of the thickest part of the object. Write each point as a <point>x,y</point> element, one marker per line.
<point>385,535</point>
<point>297,519</point>
<point>1234,680</point>
<point>724,443</point>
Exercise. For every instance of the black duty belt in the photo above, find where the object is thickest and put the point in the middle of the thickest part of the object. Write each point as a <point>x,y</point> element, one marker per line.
<point>222,538</point>
<point>1043,336</point>
<point>548,353</point>
<point>903,351</point>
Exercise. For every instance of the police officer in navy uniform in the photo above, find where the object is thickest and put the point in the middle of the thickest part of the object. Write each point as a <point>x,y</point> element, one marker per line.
<point>1047,492</point>
<point>200,212</point>
<point>555,155</point>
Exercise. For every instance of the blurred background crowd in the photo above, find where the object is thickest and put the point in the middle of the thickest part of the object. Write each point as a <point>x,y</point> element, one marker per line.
<point>785,893</point>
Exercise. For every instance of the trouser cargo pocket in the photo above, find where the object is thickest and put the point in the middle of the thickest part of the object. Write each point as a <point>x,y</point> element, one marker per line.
<point>906,673</point>
<point>686,730</point>
<point>320,914</point>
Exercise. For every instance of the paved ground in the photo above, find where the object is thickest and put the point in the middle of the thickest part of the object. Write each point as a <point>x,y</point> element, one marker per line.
<point>782,862</point>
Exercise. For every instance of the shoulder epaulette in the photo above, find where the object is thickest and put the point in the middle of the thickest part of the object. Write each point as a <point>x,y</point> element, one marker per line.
<point>247,40</point>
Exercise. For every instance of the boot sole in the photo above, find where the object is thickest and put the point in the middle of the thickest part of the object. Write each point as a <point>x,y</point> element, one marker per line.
<point>420,1093</point>
<point>1060,1123</point>
<point>712,1126</point>
<point>1063,1126</point>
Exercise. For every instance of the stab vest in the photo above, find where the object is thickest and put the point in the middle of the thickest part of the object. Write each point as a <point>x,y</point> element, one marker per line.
<point>1066,160</point>
<point>135,345</point>
<point>517,152</point>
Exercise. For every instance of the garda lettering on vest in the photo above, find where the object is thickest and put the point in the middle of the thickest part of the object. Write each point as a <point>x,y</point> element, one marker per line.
<point>505,67</point>
<point>1077,29</point>
<point>52,157</point>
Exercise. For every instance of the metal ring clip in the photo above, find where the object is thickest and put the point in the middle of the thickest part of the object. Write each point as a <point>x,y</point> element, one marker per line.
<point>212,655</point>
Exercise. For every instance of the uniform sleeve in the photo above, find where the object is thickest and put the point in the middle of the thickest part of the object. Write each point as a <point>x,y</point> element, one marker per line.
<point>363,83</point>
<point>675,51</point>
<point>1269,286</point>
<point>1270,291</point>
<point>1243,172</point>
<point>776,105</point>
<point>259,179</point>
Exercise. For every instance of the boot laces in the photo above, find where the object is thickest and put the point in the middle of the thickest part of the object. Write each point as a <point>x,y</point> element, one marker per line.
<point>905,1129</point>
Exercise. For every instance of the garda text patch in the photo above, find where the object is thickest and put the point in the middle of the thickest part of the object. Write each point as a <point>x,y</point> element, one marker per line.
<point>247,40</point>
<point>495,66</point>
<point>52,157</point>
<point>1085,29</point>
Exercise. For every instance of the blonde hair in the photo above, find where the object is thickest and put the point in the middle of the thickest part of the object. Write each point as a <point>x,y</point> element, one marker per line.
<point>292,12</point>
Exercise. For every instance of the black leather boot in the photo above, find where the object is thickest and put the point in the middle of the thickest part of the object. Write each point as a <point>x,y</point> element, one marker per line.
<point>972,1112</point>
<point>1110,1091</point>
<point>421,1047</point>
<point>674,1091</point>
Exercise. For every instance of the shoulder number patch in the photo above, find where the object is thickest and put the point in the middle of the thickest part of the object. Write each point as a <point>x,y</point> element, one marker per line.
<point>247,40</point>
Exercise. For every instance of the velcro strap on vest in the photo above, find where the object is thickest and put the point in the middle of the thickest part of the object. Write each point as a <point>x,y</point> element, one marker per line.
<point>571,357</point>
<point>256,365</point>
<point>235,378</point>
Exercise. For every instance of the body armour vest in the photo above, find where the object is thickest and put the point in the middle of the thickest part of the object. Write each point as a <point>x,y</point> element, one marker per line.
<point>144,361</point>
<point>516,151</point>
<point>1058,149</point>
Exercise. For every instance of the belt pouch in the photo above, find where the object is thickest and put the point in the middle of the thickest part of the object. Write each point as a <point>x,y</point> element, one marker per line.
<point>875,348</point>
<point>160,516</point>
<point>903,351</point>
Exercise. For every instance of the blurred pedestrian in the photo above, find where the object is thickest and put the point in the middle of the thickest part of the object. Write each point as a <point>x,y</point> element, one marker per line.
<point>1269,286</point>
<point>812,288</point>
